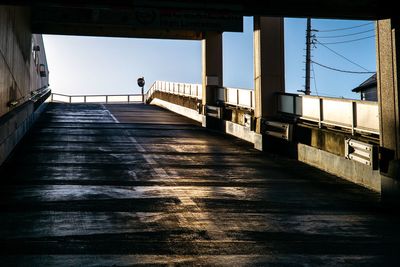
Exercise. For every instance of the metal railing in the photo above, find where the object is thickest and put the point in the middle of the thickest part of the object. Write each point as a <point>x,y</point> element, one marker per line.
<point>130,98</point>
<point>356,115</point>
<point>231,96</point>
<point>243,98</point>
<point>182,89</point>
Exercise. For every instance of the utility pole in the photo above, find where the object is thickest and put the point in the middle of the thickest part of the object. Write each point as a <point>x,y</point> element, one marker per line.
<point>307,89</point>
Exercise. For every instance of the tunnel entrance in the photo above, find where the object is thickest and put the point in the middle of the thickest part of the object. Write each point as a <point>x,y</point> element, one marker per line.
<point>122,184</point>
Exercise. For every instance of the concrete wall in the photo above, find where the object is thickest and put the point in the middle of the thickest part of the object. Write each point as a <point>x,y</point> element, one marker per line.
<point>183,101</point>
<point>325,149</point>
<point>14,128</point>
<point>350,170</point>
<point>19,76</point>
<point>181,110</point>
<point>232,122</point>
<point>19,71</point>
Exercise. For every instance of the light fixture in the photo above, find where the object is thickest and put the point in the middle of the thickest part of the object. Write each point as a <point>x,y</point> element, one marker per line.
<point>42,70</point>
<point>13,103</point>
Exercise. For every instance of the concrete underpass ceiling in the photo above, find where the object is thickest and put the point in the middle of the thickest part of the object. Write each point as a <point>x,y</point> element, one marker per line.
<point>133,21</point>
<point>181,19</point>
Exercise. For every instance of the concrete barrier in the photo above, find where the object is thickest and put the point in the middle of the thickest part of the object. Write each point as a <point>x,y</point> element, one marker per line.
<point>184,111</point>
<point>337,165</point>
<point>228,127</point>
<point>15,124</point>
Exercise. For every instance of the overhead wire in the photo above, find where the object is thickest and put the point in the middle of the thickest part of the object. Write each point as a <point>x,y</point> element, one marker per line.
<point>324,44</point>
<point>348,28</point>
<point>314,78</point>
<point>340,55</point>
<point>345,35</point>
<point>349,41</point>
<point>341,70</point>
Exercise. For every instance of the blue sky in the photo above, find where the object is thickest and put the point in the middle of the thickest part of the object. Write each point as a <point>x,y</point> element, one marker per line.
<point>93,65</point>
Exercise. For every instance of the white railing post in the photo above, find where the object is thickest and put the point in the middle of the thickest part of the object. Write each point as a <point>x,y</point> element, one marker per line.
<point>321,112</point>
<point>353,116</point>
<point>251,99</point>
<point>294,105</point>
<point>225,95</point>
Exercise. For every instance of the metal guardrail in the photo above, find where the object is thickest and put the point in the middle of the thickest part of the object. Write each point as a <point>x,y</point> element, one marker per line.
<point>243,98</point>
<point>232,96</point>
<point>356,115</point>
<point>96,98</point>
<point>182,89</point>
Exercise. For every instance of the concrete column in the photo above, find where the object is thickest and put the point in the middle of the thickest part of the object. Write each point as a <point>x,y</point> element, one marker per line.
<point>269,68</point>
<point>269,64</point>
<point>211,68</point>
<point>387,47</point>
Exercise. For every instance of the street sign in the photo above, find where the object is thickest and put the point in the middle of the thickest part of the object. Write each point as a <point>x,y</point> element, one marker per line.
<point>141,82</point>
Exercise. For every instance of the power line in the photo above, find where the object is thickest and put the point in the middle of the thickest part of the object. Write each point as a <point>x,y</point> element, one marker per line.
<point>344,71</point>
<point>345,35</point>
<point>336,53</point>
<point>315,80</point>
<point>348,28</point>
<point>349,41</point>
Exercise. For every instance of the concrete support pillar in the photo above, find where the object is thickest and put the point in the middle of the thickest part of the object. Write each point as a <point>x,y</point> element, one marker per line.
<point>269,68</point>
<point>269,65</point>
<point>211,68</point>
<point>387,45</point>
